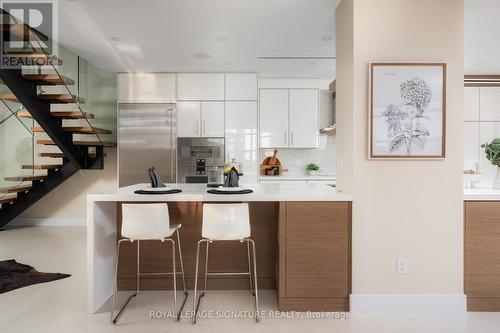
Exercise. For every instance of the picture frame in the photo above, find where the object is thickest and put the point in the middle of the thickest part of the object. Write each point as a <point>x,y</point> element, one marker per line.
<point>407,110</point>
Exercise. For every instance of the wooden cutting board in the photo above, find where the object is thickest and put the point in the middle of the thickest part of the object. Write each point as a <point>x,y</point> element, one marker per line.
<point>272,160</point>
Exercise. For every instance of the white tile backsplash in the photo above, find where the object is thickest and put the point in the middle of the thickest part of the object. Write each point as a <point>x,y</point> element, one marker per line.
<point>471,145</point>
<point>471,104</point>
<point>482,124</point>
<point>489,98</point>
<point>295,160</point>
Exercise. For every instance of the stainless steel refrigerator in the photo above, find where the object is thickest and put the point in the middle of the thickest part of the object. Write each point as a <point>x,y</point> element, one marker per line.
<point>147,138</point>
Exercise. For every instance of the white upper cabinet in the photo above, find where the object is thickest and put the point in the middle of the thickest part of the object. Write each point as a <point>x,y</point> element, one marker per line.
<point>490,103</point>
<point>200,119</point>
<point>304,118</point>
<point>188,119</point>
<point>273,118</point>
<point>241,87</point>
<point>200,87</point>
<point>146,87</point>
<point>212,119</point>
<point>471,103</point>
<point>289,118</point>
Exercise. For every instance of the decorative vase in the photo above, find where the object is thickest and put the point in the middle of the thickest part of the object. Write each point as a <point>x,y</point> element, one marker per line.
<point>496,181</point>
<point>313,172</point>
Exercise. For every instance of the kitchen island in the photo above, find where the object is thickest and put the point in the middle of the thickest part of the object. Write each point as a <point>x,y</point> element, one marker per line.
<point>302,234</point>
<point>482,249</point>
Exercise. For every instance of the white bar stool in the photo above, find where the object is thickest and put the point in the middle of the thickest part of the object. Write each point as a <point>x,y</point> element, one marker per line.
<point>226,222</point>
<point>148,222</point>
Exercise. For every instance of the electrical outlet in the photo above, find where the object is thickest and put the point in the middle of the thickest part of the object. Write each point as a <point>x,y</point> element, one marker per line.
<point>402,266</point>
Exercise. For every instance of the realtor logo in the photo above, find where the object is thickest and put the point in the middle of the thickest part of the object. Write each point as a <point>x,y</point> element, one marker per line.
<point>29,33</point>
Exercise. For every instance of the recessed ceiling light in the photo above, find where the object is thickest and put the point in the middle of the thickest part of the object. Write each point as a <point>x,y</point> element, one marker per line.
<point>327,38</point>
<point>221,38</point>
<point>202,55</point>
<point>116,39</point>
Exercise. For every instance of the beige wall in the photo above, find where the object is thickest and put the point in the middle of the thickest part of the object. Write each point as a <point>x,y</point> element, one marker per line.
<point>67,203</point>
<point>410,209</point>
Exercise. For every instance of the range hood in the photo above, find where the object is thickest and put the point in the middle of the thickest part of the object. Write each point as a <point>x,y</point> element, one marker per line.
<point>328,130</point>
<point>331,129</point>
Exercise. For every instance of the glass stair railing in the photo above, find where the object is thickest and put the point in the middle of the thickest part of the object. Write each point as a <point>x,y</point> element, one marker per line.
<point>16,151</point>
<point>79,93</point>
<point>74,102</point>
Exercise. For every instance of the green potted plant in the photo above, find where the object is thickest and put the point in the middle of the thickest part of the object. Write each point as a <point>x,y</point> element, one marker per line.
<point>312,168</point>
<point>492,151</point>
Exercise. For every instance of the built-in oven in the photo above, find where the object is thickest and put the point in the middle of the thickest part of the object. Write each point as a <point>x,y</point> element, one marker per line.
<point>196,157</point>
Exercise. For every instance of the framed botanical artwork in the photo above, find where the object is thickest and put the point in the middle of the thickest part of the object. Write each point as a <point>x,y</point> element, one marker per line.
<point>407,110</point>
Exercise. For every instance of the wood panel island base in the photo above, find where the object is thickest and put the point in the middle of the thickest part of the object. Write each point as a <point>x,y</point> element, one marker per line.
<point>482,254</point>
<point>302,235</point>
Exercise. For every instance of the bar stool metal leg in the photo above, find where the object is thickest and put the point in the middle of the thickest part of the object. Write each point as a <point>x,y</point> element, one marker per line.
<point>138,267</point>
<point>186,293</point>
<point>196,301</point>
<point>257,316</point>
<point>114,318</point>
<point>206,269</point>
<point>249,269</point>
<point>174,273</point>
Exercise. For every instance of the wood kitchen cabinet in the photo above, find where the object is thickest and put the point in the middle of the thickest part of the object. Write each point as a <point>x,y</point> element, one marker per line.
<point>200,119</point>
<point>314,251</point>
<point>289,118</point>
<point>482,255</point>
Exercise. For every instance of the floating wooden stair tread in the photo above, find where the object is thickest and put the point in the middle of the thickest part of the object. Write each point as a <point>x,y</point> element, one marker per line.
<point>22,30</point>
<point>78,130</point>
<point>17,189</point>
<point>61,155</point>
<point>36,57</point>
<point>4,201</point>
<point>52,155</point>
<point>41,166</point>
<point>61,98</point>
<point>50,79</point>
<point>79,143</point>
<point>9,97</point>
<point>25,178</point>
<point>61,114</point>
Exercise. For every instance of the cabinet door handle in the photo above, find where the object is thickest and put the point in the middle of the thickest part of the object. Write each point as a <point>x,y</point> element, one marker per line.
<point>203,132</point>
<point>196,127</point>
<point>291,134</point>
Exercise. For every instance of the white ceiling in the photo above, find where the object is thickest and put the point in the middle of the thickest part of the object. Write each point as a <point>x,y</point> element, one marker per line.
<point>482,37</point>
<point>165,35</point>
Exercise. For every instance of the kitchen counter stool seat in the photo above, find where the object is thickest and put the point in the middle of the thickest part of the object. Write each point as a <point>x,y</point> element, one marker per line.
<point>226,222</point>
<point>149,222</point>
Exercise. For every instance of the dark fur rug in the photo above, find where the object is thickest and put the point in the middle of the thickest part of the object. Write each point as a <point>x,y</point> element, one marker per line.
<point>14,275</point>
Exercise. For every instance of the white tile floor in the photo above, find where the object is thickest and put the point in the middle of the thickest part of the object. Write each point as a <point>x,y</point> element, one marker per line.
<point>59,307</point>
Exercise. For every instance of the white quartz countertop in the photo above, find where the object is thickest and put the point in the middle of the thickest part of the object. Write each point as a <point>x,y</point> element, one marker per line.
<point>262,192</point>
<point>481,194</point>
<point>298,177</point>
